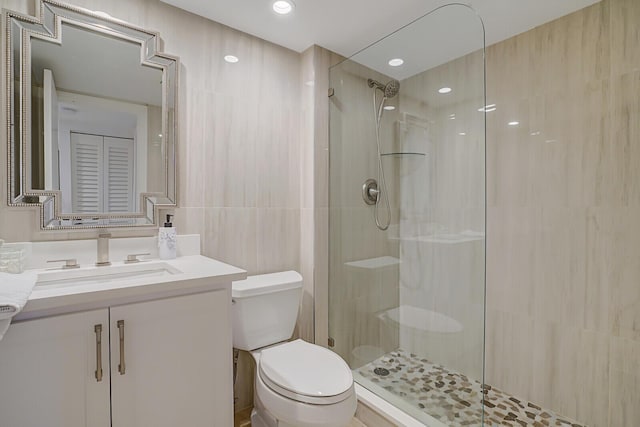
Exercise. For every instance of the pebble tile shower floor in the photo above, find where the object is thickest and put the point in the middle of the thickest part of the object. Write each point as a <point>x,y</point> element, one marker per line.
<point>451,397</point>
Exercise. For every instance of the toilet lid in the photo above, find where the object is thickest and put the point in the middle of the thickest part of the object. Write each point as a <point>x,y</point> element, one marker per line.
<point>306,372</point>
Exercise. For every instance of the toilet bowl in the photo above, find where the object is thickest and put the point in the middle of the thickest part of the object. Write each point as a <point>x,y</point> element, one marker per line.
<point>297,384</point>
<point>303,385</point>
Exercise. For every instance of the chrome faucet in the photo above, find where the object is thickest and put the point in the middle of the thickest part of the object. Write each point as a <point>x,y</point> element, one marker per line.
<point>103,250</point>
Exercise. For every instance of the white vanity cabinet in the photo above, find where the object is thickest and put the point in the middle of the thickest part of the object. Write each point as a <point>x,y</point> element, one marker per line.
<point>178,362</point>
<point>48,372</point>
<point>165,362</point>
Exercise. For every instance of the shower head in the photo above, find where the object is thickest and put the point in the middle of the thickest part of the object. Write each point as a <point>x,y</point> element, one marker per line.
<point>390,90</point>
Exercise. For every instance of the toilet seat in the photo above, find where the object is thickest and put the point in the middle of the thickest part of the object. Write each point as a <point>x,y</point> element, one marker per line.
<point>306,373</point>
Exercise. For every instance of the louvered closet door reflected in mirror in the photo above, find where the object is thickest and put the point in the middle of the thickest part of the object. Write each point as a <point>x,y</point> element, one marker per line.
<point>101,174</point>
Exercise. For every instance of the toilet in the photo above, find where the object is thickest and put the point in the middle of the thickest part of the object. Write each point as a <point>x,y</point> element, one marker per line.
<point>297,384</point>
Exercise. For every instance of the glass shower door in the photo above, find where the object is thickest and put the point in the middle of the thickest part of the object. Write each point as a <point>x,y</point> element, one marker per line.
<point>407,216</point>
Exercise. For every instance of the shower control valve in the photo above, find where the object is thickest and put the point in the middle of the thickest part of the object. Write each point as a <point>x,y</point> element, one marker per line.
<point>370,191</point>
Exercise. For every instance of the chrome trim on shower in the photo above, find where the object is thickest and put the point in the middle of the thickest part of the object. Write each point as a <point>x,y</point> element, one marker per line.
<point>375,195</point>
<point>370,191</point>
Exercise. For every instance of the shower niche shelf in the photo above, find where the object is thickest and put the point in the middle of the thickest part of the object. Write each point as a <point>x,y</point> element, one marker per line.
<point>402,154</point>
<point>374,263</point>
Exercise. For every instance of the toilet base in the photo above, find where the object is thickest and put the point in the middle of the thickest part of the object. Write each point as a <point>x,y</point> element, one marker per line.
<point>258,421</point>
<point>264,419</point>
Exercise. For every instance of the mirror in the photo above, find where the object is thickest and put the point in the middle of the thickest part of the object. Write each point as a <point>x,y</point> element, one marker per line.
<point>91,135</point>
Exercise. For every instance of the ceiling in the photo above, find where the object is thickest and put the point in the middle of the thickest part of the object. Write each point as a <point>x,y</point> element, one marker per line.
<point>347,26</point>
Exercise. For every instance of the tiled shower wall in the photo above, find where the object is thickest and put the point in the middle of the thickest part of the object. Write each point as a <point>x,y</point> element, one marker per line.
<point>563,272</point>
<point>358,289</point>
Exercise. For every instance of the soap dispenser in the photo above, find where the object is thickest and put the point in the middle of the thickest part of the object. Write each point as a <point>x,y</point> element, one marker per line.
<point>167,240</point>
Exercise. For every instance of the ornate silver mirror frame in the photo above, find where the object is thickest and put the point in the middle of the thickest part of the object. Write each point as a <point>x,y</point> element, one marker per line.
<point>47,25</point>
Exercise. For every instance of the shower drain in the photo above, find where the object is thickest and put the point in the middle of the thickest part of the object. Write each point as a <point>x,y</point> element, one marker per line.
<point>381,371</point>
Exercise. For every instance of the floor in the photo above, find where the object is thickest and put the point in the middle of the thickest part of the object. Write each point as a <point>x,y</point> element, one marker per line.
<point>451,397</point>
<point>243,419</point>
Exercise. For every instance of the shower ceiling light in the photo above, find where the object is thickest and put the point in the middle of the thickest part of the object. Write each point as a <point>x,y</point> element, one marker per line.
<point>283,7</point>
<point>231,59</point>
<point>444,90</point>
<point>396,62</point>
<point>514,123</point>
<point>389,108</point>
<point>487,109</point>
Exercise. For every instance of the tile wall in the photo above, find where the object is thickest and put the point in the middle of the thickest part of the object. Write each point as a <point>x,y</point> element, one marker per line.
<point>563,314</point>
<point>359,290</point>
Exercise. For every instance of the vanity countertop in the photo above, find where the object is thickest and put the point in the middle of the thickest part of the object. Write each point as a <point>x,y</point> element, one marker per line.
<point>196,273</point>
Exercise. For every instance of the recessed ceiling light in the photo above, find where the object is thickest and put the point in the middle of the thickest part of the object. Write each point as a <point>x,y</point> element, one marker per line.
<point>462,133</point>
<point>283,7</point>
<point>160,135</point>
<point>444,90</point>
<point>514,123</point>
<point>489,108</point>
<point>452,116</point>
<point>396,62</point>
<point>231,59</point>
<point>389,107</point>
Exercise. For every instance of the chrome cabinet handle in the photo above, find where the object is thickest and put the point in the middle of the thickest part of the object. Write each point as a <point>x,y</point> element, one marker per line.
<point>98,330</point>
<point>121,366</point>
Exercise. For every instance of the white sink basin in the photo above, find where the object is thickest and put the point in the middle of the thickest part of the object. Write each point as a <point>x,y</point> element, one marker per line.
<point>120,273</point>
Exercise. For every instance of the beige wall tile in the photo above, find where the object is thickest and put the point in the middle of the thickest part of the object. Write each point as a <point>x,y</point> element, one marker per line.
<point>562,211</point>
<point>624,385</point>
<point>277,239</point>
<point>230,235</point>
<point>229,138</point>
<point>624,37</point>
<point>306,315</point>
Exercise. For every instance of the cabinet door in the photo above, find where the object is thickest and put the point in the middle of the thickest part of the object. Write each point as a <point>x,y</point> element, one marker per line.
<point>48,372</point>
<point>177,362</point>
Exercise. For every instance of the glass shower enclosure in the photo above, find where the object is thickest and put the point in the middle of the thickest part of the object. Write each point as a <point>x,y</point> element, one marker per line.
<point>407,216</point>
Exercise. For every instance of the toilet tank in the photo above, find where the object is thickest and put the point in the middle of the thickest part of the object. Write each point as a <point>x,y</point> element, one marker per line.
<point>265,309</point>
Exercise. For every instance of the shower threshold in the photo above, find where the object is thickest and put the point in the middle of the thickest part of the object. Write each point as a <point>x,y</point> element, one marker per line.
<point>451,397</point>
